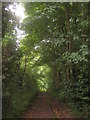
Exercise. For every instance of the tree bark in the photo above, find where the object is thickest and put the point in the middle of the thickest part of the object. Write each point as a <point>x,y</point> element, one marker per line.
<point>56,77</point>
<point>21,79</point>
<point>68,70</point>
<point>88,42</point>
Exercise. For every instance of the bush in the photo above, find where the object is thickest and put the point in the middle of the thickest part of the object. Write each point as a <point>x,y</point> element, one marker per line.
<point>17,98</point>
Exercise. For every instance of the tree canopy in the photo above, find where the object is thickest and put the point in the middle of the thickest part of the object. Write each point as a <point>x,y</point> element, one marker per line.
<point>53,56</point>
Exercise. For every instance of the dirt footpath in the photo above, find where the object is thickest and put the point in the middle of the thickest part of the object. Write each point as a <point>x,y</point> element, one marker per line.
<point>40,108</point>
<point>45,106</point>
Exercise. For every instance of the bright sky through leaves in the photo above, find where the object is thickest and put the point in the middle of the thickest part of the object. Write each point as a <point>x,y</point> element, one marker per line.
<point>18,10</point>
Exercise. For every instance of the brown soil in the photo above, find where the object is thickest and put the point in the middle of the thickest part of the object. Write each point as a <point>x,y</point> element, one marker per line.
<point>46,107</point>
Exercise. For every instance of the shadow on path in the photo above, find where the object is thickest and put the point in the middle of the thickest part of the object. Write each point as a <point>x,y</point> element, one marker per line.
<point>40,108</point>
<point>45,106</point>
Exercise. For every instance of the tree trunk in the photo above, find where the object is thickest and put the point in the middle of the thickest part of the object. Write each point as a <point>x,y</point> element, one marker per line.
<point>21,79</point>
<point>88,43</point>
<point>68,70</point>
<point>56,77</point>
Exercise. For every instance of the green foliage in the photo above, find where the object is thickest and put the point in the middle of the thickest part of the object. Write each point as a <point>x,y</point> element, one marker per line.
<point>43,77</point>
<point>19,86</point>
<point>18,97</point>
<point>52,56</point>
<point>62,41</point>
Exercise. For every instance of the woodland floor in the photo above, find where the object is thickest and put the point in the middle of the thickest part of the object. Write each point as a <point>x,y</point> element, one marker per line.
<point>45,106</point>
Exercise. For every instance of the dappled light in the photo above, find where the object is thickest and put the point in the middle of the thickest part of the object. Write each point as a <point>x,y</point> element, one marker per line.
<point>45,60</point>
<point>43,77</point>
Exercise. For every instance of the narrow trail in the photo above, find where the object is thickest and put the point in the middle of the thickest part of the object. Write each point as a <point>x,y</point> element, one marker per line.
<point>46,107</point>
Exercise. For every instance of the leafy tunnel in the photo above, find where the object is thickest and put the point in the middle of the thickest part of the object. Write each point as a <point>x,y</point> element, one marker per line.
<point>47,51</point>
